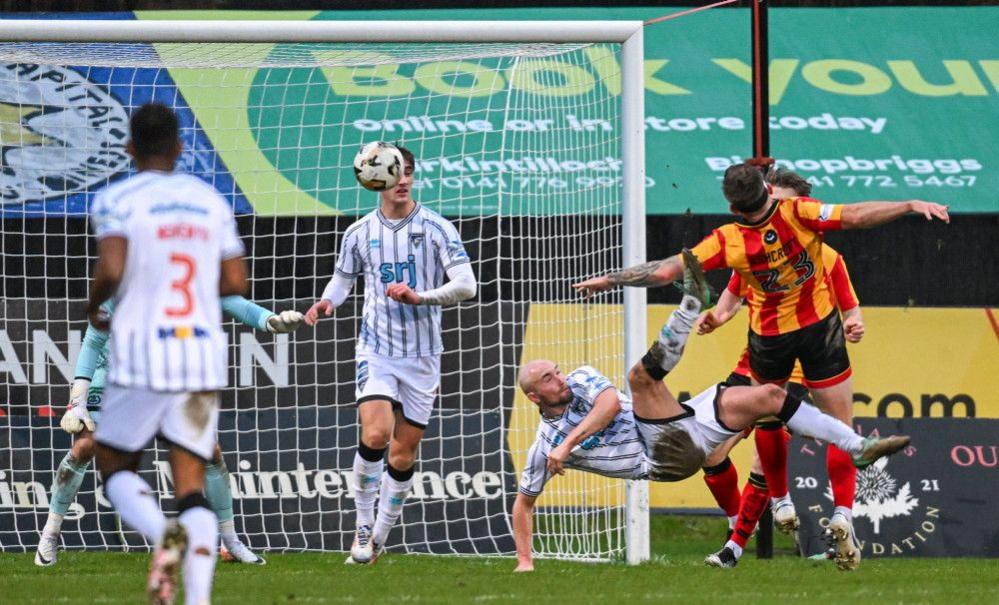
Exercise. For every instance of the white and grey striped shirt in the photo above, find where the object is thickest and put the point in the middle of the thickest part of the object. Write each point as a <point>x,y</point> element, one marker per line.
<point>166,332</point>
<point>417,250</point>
<point>617,451</point>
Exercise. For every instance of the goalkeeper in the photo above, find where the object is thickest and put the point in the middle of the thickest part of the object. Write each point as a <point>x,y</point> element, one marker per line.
<point>589,425</point>
<point>83,413</point>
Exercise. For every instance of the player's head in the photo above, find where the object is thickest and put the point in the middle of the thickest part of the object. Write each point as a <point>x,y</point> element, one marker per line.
<point>155,135</point>
<point>745,189</point>
<point>544,384</point>
<point>402,193</point>
<point>787,183</point>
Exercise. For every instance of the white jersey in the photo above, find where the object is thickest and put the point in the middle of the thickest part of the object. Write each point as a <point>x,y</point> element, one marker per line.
<point>417,250</point>
<point>617,451</point>
<point>166,332</point>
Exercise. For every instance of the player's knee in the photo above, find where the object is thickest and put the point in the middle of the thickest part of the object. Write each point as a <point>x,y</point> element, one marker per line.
<point>773,397</point>
<point>402,460</point>
<point>376,437</point>
<point>84,448</point>
<point>639,378</point>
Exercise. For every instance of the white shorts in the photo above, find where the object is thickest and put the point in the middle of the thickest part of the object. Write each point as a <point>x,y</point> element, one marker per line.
<point>700,422</point>
<point>410,383</point>
<point>130,418</point>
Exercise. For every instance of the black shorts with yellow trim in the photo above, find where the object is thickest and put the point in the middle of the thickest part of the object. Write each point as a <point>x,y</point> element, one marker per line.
<point>821,348</point>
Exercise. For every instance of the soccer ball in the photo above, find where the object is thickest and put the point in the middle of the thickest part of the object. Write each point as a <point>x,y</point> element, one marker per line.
<point>378,166</point>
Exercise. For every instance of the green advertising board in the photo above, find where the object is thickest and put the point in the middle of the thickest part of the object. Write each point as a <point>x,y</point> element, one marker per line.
<point>868,103</point>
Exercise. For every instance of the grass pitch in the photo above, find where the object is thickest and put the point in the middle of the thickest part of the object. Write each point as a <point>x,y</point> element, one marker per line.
<point>676,574</point>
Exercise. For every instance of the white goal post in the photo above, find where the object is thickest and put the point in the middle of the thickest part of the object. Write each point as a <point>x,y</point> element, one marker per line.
<point>576,207</point>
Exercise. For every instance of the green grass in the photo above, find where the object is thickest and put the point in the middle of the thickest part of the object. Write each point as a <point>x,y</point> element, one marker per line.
<point>676,574</point>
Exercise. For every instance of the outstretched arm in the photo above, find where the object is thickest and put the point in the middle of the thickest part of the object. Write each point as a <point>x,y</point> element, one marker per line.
<point>250,313</point>
<point>523,530</point>
<point>865,215</point>
<point>652,274</point>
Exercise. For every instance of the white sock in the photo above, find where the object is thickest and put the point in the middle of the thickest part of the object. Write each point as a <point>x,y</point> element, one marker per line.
<point>390,503</point>
<point>736,549</point>
<point>228,531</point>
<point>808,420</point>
<point>367,475</point>
<point>846,512</point>
<point>199,561</point>
<point>775,501</point>
<point>732,521</point>
<point>133,499</point>
<point>674,333</point>
<point>53,524</point>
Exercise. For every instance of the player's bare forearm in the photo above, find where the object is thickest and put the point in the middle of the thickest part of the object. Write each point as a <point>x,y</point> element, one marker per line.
<point>232,278</point>
<point>652,274</point>
<point>873,214</point>
<point>523,529</point>
<point>108,273</point>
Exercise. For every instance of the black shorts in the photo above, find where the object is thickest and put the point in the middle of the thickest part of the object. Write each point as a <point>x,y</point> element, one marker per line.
<point>821,347</point>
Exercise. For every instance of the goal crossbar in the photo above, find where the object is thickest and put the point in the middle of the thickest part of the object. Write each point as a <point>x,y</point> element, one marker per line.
<point>317,31</point>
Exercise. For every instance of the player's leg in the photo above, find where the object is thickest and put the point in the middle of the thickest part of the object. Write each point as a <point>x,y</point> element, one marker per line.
<point>826,365</point>
<point>397,481</point>
<point>755,498</point>
<point>69,476</point>
<point>419,379</point>
<point>376,390</point>
<point>722,479</point>
<point>738,407</point>
<point>772,443</point>
<point>190,426</point>
<point>218,490</point>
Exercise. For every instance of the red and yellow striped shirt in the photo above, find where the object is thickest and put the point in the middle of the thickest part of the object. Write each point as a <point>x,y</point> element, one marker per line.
<point>838,279</point>
<point>780,260</point>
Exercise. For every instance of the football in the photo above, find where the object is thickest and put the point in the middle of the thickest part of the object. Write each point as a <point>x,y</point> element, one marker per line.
<point>378,166</point>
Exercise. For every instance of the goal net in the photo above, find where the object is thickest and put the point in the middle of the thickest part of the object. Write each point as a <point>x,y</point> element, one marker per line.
<point>519,144</point>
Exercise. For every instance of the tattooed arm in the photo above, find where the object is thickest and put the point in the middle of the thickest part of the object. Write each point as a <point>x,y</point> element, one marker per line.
<point>652,274</point>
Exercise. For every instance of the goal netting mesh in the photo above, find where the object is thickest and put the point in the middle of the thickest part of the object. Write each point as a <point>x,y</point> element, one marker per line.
<point>518,144</point>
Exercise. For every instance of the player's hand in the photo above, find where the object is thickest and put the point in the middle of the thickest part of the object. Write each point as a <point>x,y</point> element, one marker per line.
<point>403,294</point>
<point>708,323</point>
<point>557,458</point>
<point>593,285</point>
<point>284,322</point>
<point>77,417</point>
<point>523,566</point>
<point>99,318</point>
<point>930,210</point>
<point>853,328</point>
<point>324,306</point>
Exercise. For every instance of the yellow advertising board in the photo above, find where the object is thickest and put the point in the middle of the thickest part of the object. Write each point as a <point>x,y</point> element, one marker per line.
<point>917,362</point>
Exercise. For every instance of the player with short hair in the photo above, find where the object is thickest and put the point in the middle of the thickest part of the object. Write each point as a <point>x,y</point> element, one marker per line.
<point>775,246</point>
<point>83,413</point>
<point>403,249</point>
<point>167,248</point>
<point>589,425</point>
<point>768,476</point>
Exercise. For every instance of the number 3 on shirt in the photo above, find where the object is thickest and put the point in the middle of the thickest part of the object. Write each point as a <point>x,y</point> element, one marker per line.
<point>182,285</point>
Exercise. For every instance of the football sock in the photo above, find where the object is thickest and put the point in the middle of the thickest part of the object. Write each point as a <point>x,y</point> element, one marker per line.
<point>755,499</point>
<point>666,352</point>
<point>395,487</point>
<point>202,536</point>
<point>772,445</point>
<point>218,490</point>
<point>842,476</point>
<point>723,482</point>
<point>368,464</point>
<point>68,478</point>
<point>845,511</point>
<point>805,419</point>
<point>133,499</point>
